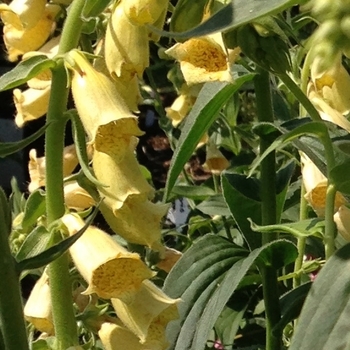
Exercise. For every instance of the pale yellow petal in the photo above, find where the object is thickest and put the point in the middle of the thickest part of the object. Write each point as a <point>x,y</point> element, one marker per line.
<point>180,108</point>
<point>76,197</point>
<point>170,258</point>
<point>31,104</point>
<point>215,161</point>
<point>110,270</point>
<point>342,220</point>
<point>29,11</point>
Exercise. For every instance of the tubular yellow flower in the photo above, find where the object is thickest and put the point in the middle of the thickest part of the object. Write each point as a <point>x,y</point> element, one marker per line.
<point>327,90</point>
<point>316,187</point>
<point>106,118</point>
<point>215,161</point>
<point>142,12</point>
<point>76,197</point>
<point>29,12</point>
<point>18,39</point>
<point>36,166</point>
<point>37,309</point>
<point>148,314</point>
<point>342,220</point>
<point>203,59</point>
<point>110,270</point>
<point>31,104</point>
<point>114,337</point>
<point>126,46</point>
<point>137,222</point>
<point>171,256</point>
<point>180,108</point>
<point>124,179</point>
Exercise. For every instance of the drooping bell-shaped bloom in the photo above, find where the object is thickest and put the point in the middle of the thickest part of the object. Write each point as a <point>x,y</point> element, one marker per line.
<point>180,108</point>
<point>170,258</point>
<point>37,309</point>
<point>137,222</point>
<point>33,103</point>
<point>148,314</point>
<point>204,59</point>
<point>126,46</point>
<point>141,12</point>
<point>123,178</point>
<point>37,166</point>
<point>29,35</point>
<point>342,221</point>
<point>75,197</point>
<point>110,270</point>
<point>105,116</point>
<point>215,161</point>
<point>115,336</point>
<point>30,104</point>
<point>316,187</point>
<point>327,91</point>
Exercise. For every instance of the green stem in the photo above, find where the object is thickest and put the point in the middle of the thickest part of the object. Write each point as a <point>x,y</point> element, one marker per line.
<point>330,225</point>
<point>301,243</point>
<point>60,285</point>
<point>268,208</point>
<point>13,334</point>
<point>300,96</point>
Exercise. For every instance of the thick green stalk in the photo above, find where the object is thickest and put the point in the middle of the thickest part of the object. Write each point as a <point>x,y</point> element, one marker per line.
<point>60,285</point>
<point>268,208</point>
<point>329,235</point>
<point>13,334</point>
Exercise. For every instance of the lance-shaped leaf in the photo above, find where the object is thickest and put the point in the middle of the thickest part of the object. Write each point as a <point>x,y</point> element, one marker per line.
<point>204,112</point>
<point>7,148</point>
<point>24,71</point>
<point>205,278</point>
<point>317,129</point>
<point>231,16</point>
<point>304,228</point>
<point>324,320</point>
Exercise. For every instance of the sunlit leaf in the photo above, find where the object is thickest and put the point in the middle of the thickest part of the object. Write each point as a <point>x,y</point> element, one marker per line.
<point>24,71</point>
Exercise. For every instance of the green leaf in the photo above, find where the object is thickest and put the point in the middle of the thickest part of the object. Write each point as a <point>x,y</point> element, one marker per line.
<point>241,195</point>
<point>34,208</point>
<point>204,112</point>
<point>324,320</point>
<point>300,229</point>
<point>93,8</point>
<point>231,16</point>
<point>54,251</point>
<point>24,71</point>
<point>35,243</point>
<point>339,175</point>
<point>318,129</point>
<point>5,214</point>
<point>7,148</point>
<point>205,278</point>
<point>291,304</point>
<point>215,205</point>
<point>192,192</point>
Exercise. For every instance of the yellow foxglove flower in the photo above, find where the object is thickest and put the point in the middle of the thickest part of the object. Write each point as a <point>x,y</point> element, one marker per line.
<point>36,166</point>
<point>31,104</point>
<point>203,59</point>
<point>126,46</point>
<point>327,90</point>
<point>148,314</point>
<point>115,337</point>
<point>18,39</point>
<point>342,220</point>
<point>76,197</point>
<point>29,12</point>
<point>142,12</point>
<point>137,222</point>
<point>124,179</point>
<point>180,108</point>
<point>170,258</point>
<point>316,187</point>
<point>110,270</point>
<point>215,161</point>
<point>37,309</point>
<point>105,116</point>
